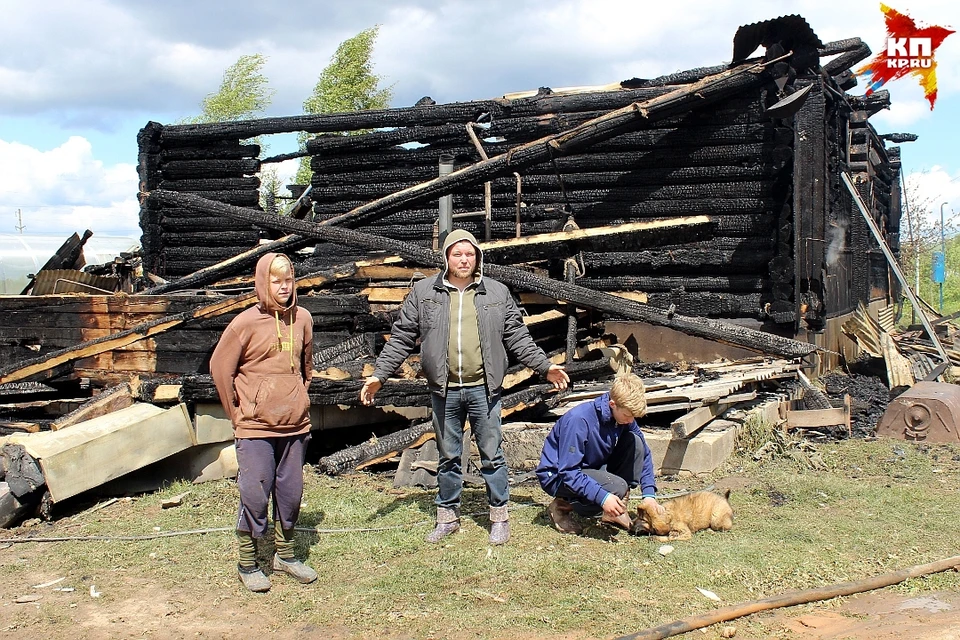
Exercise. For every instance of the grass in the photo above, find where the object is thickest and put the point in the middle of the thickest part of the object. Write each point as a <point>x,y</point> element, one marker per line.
<point>853,510</point>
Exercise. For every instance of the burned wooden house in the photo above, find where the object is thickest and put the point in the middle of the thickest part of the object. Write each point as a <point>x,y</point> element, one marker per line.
<point>785,248</point>
<point>720,203</point>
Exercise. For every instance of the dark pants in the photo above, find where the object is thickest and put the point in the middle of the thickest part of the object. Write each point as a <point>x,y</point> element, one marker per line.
<point>450,413</point>
<point>620,473</point>
<point>270,467</point>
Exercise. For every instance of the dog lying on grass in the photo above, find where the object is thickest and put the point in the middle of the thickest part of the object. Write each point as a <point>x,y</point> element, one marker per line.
<point>684,516</point>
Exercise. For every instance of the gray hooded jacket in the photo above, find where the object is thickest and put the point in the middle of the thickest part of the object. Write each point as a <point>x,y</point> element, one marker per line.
<point>425,314</point>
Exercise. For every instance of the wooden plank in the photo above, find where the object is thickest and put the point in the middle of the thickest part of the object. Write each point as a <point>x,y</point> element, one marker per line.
<point>385,294</point>
<point>688,424</point>
<point>166,393</point>
<point>812,418</point>
<point>394,272</point>
<point>96,451</point>
<point>20,425</point>
<point>554,243</point>
<point>513,379</point>
<point>212,425</point>
<point>108,401</point>
<point>546,316</point>
<point>899,372</point>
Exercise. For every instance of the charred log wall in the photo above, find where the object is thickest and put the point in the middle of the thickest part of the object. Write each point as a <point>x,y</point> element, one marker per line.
<point>728,161</point>
<point>773,191</point>
<point>177,242</point>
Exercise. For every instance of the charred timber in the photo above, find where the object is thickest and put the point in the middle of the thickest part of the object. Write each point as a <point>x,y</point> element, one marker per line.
<point>226,150</point>
<point>674,175</point>
<point>741,283</point>
<point>847,59</point>
<point>711,304</point>
<point>724,155</point>
<point>581,187</point>
<point>454,135</point>
<point>405,117</point>
<point>212,184</point>
<point>213,168</point>
<point>580,296</point>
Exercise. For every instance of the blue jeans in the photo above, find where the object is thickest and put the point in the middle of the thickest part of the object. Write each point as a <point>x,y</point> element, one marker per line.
<point>449,417</point>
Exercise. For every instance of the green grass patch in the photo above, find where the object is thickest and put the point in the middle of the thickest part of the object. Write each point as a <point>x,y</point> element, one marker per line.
<point>863,508</point>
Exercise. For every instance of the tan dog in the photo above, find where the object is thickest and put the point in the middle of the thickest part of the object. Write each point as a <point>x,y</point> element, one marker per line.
<point>684,516</point>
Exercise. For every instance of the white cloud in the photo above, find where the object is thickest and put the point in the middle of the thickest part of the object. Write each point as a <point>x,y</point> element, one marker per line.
<point>930,188</point>
<point>65,190</point>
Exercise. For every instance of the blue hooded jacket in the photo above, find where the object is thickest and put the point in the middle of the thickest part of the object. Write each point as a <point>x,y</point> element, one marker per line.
<point>584,438</point>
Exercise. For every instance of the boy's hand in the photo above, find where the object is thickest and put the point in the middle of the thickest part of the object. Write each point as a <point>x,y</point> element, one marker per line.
<point>613,506</point>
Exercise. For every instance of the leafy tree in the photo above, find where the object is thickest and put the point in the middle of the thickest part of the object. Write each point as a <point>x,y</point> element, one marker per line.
<point>346,84</point>
<point>243,94</point>
<point>920,238</point>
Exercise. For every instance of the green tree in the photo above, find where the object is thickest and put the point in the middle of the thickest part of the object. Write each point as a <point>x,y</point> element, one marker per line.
<point>346,84</point>
<point>920,238</point>
<point>244,93</point>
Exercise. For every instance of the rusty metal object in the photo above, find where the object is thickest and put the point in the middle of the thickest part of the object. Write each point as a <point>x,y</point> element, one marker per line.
<point>927,412</point>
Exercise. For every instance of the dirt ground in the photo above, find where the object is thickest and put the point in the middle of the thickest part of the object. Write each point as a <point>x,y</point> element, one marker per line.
<point>124,606</point>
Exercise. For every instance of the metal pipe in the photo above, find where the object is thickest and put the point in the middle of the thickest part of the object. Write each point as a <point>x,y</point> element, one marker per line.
<point>445,225</point>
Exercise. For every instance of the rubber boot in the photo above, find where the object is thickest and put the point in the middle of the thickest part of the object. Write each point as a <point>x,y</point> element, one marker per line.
<point>448,522</point>
<point>284,559</point>
<point>250,574</point>
<point>499,525</point>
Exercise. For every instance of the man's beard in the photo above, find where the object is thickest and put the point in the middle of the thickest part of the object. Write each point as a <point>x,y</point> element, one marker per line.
<point>463,273</point>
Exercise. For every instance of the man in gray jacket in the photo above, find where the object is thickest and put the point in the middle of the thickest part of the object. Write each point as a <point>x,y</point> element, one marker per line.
<point>466,324</point>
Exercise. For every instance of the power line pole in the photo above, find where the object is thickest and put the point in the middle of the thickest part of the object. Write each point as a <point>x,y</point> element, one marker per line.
<point>19,227</point>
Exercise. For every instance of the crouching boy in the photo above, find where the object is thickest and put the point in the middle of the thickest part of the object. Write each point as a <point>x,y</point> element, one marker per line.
<point>594,455</point>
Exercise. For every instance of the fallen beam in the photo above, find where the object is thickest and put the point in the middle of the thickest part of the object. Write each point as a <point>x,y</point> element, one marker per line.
<point>580,296</point>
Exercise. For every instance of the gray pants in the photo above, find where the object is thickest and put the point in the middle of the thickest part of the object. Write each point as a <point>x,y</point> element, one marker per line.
<point>622,471</point>
<point>270,467</point>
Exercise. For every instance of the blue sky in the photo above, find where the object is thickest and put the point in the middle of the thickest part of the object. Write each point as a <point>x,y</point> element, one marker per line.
<point>79,79</point>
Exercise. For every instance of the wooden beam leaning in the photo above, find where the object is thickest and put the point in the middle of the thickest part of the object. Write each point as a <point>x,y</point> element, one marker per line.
<point>44,367</point>
<point>580,296</point>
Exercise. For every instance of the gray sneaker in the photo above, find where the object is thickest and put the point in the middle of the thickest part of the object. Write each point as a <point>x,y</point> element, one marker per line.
<point>295,568</point>
<point>254,579</point>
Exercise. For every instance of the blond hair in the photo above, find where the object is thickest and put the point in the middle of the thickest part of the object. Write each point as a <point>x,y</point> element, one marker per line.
<point>628,393</point>
<point>281,266</point>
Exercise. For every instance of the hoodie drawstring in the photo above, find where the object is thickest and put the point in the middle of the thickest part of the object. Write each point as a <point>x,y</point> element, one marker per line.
<point>276,314</point>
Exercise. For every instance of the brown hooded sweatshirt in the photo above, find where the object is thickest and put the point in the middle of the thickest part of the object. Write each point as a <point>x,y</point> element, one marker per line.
<point>261,382</point>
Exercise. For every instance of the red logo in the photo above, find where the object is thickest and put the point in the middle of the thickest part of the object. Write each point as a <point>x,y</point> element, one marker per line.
<point>909,49</point>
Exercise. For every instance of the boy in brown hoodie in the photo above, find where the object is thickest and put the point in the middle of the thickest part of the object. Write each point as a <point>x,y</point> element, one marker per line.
<point>262,367</point>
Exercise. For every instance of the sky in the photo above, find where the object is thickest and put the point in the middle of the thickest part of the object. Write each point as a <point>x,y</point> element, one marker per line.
<point>79,79</point>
